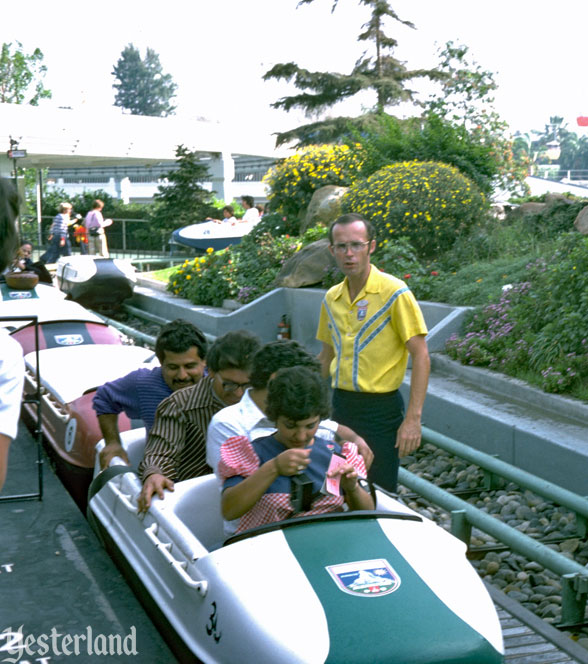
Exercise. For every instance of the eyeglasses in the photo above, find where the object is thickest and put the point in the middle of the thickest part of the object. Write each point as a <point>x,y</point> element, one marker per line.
<point>342,247</point>
<point>231,386</point>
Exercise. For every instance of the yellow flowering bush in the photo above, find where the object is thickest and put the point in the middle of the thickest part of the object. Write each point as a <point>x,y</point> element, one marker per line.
<point>427,202</point>
<point>293,181</point>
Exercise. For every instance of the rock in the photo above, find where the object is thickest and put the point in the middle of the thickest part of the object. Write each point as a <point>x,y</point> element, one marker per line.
<point>552,198</point>
<point>306,267</point>
<point>570,545</point>
<point>531,208</point>
<point>324,206</point>
<point>581,222</point>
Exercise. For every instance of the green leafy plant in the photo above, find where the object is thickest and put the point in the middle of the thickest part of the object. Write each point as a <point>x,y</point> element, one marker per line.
<point>429,203</point>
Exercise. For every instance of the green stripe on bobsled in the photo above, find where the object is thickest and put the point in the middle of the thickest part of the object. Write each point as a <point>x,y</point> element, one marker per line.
<point>6,293</point>
<point>408,626</point>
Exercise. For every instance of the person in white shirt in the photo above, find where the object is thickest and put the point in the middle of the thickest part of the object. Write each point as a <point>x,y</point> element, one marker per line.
<point>251,212</point>
<point>11,358</point>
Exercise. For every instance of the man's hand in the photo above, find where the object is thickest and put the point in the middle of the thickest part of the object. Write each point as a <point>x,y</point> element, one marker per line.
<point>109,452</point>
<point>408,437</point>
<point>154,484</point>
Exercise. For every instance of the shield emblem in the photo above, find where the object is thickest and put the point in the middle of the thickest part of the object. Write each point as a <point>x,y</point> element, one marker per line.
<point>69,339</point>
<point>365,578</point>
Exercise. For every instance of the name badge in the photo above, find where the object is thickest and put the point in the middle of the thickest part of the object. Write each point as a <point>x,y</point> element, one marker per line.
<point>362,306</point>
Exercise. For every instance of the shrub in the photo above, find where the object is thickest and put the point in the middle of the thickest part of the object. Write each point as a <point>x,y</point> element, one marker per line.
<point>537,328</point>
<point>429,203</point>
<point>293,181</point>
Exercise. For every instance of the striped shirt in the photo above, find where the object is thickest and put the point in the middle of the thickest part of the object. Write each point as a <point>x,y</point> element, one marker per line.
<point>60,224</point>
<point>176,446</point>
<point>137,394</point>
<point>369,335</point>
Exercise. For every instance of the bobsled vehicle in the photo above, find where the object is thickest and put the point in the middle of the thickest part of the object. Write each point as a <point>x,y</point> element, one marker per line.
<point>211,234</point>
<point>99,283</point>
<point>69,352</point>
<point>386,586</point>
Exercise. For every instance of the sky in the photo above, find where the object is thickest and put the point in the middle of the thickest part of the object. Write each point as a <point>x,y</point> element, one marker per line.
<point>218,50</point>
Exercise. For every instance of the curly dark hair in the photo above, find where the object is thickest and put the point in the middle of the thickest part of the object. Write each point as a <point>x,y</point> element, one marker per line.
<point>8,214</point>
<point>178,337</point>
<point>280,355</point>
<point>297,393</point>
<point>234,350</point>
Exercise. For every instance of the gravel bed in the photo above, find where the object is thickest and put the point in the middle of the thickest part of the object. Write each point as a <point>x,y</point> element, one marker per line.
<point>525,581</point>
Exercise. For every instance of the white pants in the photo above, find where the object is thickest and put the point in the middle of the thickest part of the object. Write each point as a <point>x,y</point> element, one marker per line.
<point>97,244</point>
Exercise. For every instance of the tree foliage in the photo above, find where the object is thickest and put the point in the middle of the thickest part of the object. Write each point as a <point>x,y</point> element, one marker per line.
<point>183,200</point>
<point>21,75</point>
<point>142,88</point>
<point>465,101</point>
<point>379,72</point>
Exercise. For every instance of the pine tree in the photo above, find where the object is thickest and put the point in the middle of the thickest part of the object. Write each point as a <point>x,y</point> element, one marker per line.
<point>142,88</point>
<point>381,73</point>
<point>183,200</point>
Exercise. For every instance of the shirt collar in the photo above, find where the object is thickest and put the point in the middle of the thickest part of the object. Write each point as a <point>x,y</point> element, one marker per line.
<point>370,285</point>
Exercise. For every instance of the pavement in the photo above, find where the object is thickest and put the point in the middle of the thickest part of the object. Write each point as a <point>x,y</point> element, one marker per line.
<point>58,586</point>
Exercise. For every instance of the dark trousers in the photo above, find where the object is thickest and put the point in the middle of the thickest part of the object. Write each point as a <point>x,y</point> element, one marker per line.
<point>376,418</point>
<point>55,249</point>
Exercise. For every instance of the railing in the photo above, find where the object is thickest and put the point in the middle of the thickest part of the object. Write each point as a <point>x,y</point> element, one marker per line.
<point>126,237</point>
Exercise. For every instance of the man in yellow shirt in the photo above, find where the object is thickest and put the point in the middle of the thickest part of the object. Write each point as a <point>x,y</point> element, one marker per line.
<point>369,325</point>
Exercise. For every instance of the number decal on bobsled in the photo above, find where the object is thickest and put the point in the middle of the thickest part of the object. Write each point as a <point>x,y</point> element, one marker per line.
<point>211,627</point>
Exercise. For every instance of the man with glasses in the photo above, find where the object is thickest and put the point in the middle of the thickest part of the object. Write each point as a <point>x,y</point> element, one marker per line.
<point>176,447</point>
<point>369,325</point>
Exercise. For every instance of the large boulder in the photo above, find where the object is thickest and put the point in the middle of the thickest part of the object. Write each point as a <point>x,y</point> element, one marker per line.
<point>581,222</point>
<point>324,206</point>
<point>307,267</point>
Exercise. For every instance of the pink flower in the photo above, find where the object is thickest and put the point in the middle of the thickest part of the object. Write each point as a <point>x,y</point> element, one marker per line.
<point>434,273</point>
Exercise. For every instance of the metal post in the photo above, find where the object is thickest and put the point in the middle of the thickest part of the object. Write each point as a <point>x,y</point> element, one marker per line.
<point>39,186</point>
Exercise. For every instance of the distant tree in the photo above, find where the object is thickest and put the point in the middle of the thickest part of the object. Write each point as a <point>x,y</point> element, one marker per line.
<point>380,73</point>
<point>183,200</point>
<point>21,75</point>
<point>142,88</point>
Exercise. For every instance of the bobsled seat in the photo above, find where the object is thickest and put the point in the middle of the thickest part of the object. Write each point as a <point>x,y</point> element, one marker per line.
<point>196,502</point>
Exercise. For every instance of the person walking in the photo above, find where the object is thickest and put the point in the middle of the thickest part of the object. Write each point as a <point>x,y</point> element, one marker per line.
<point>59,243</point>
<point>369,325</point>
<point>95,224</point>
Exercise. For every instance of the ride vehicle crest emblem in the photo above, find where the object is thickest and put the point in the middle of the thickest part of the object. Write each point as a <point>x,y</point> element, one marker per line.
<point>367,578</point>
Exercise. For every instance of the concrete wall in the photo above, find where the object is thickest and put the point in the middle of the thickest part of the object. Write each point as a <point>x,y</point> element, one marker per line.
<point>301,305</point>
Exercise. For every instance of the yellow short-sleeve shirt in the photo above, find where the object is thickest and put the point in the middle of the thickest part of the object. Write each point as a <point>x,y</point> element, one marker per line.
<point>369,335</point>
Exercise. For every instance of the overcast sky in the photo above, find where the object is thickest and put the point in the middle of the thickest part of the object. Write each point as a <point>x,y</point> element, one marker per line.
<point>218,50</point>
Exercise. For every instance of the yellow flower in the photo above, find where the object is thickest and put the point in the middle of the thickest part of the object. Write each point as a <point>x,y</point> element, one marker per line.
<point>209,250</point>
<point>188,276</point>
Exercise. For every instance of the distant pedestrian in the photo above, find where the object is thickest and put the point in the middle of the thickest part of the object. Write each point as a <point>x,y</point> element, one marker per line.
<point>59,244</point>
<point>95,224</point>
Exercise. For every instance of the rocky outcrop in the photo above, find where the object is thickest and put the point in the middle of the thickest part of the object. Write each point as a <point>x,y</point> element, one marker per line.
<point>307,267</point>
<point>581,222</point>
<point>324,206</point>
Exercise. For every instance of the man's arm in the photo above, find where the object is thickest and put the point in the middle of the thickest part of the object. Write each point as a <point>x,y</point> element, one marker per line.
<point>159,465</point>
<point>408,437</point>
<point>325,357</point>
<point>113,446</point>
<point>218,431</point>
